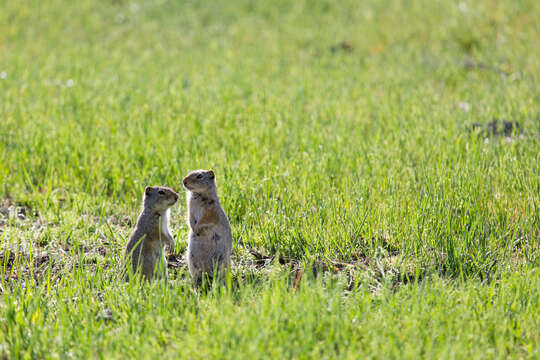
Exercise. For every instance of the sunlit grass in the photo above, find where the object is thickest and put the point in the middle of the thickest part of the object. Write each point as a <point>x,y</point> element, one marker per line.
<point>340,133</point>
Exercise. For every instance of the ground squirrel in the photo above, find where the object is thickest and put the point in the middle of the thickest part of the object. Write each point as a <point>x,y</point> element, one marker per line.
<point>210,236</point>
<point>145,246</point>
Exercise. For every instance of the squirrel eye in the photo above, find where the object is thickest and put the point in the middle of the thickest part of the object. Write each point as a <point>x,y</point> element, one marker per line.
<point>161,192</point>
<point>199,176</point>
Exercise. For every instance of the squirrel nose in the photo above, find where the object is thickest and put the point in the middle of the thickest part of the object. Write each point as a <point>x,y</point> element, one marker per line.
<point>175,196</point>
<point>185,182</point>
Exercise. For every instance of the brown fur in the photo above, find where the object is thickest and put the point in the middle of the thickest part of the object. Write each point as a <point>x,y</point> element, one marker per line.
<point>151,234</point>
<point>210,236</point>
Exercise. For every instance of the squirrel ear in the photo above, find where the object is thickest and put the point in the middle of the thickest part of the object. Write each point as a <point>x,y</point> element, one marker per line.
<point>211,174</point>
<point>147,190</point>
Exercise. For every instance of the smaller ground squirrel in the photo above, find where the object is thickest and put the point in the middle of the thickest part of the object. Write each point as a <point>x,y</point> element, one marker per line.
<point>145,246</point>
<point>210,236</point>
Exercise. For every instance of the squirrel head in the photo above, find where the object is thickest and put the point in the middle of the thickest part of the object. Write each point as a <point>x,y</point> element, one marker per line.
<point>200,181</point>
<point>159,198</point>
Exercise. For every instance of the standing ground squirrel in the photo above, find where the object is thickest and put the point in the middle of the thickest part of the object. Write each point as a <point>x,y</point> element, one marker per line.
<point>210,236</point>
<point>145,246</point>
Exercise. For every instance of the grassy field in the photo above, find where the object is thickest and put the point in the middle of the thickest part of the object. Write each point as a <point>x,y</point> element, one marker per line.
<point>376,213</point>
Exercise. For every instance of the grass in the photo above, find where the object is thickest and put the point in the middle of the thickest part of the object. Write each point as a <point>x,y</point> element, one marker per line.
<point>321,319</point>
<point>341,135</point>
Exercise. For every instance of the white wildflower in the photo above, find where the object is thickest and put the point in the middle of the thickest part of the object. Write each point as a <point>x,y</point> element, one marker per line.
<point>465,106</point>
